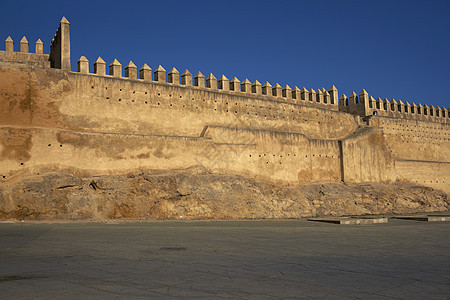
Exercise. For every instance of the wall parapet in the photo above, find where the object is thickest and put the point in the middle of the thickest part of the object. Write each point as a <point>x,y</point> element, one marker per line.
<point>365,106</point>
<point>362,104</point>
<point>38,58</point>
<point>327,99</point>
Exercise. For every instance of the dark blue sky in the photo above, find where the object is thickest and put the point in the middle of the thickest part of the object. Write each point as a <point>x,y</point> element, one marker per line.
<point>393,49</point>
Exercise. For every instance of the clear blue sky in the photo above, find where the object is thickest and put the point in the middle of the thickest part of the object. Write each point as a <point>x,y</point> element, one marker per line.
<point>393,49</point>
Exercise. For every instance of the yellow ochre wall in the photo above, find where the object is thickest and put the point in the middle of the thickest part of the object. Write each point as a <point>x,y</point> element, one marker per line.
<point>52,118</point>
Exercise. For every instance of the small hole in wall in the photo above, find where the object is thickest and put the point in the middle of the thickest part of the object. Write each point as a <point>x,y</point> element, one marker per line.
<point>120,99</point>
<point>4,176</point>
<point>170,95</point>
<point>159,94</point>
<point>92,87</point>
<point>120,89</point>
<point>146,93</point>
<point>146,102</point>
<point>132,100</point>
<point>60,145</point>
<point>21,164</point>
<point>181,97</point>
<point>107,98</point>
<point>106,88</point>
<point>49,145</point>
<point>250,155</point>
<point>158,103</point>
<point>134,92</point>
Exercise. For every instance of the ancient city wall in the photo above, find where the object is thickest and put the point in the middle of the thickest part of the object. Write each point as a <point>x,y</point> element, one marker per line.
<point>365,105</point>
<point>52,118</point>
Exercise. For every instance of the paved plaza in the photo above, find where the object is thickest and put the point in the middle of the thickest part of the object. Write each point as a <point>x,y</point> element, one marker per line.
<point>228,259</point>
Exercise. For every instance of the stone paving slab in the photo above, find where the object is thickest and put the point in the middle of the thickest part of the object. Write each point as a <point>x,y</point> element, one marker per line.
<point>429,218</point>
<point>225,260</point>
<point>351,220</point>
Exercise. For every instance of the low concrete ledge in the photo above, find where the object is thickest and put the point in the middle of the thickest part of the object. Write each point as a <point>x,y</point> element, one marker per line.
<point>429,218</point>
<point>351,220</point>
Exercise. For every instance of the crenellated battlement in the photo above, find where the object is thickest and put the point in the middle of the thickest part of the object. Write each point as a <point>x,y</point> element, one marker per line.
<point>320,98</point>
<point>362,104</point>
<point>366,106</point>
<point>38,58</point>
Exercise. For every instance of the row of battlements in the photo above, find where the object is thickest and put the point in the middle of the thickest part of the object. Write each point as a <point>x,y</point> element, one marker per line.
<point>366,105</point>
<point>322,97</point>
<point>24,45</point>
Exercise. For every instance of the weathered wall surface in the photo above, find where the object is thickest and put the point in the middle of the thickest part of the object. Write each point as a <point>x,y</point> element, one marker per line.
<point>31,59</point>
<point>104,124</point>
<point>432,174</point>
<point>51,118</point>
<point>416,140</point>
<point>106,104</point>
<point>281,157</point>
<point>421,150</point>
<point>367,158</point>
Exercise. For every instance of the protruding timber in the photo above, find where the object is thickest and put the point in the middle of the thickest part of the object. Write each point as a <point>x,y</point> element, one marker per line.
<point>224,83</point>
<point>145,73</point>
<point>174,76</point>
<point>257,88</point>
<point>211,81</point>
<point>39,47</point>
<point>186,78</point>
<point>24,47</point>
<point>246,86</point>
<point>160,74</point>
<point>83,65</point>
<point>9,44</point>
<point>199,80</point>
<point>131,70</point>
<point>115,69</point>
<point>235,85</point>
<point>100,67</point>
